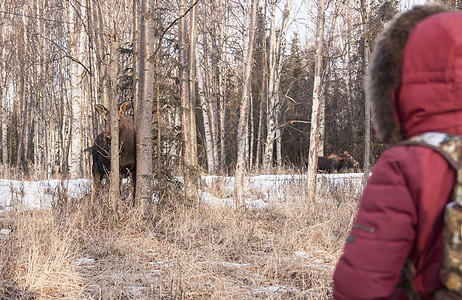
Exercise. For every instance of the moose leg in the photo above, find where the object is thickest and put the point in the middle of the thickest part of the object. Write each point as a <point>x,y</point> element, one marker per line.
<point>97,177</point>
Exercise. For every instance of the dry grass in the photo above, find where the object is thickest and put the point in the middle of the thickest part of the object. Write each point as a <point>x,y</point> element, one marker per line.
<point>81,250</point>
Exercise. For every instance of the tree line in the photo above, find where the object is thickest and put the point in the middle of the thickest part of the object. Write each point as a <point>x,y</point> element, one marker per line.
<point>215,86</point>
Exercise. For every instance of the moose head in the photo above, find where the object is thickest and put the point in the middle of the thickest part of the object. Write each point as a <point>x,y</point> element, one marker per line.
<point>125,122</point>
<point>349,162</point>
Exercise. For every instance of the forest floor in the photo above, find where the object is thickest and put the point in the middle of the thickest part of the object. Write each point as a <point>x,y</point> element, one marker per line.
<point>67,246</point>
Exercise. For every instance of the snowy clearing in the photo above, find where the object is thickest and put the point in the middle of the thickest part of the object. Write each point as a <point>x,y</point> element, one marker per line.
<point>261,190</point>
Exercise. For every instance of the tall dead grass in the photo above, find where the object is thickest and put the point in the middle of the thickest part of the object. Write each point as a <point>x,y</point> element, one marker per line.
<point>81,250</point>
<point>37,257</point>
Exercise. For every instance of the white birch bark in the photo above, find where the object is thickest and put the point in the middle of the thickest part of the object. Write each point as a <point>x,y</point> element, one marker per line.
<point>278,148</point>
<point>114,190</point>
<point>206,78</point>
<point>317,90</point>
<point>192,90</point>
<point>275,66</point>
<point>192,147</point>
<point>263,94</point>
<point>367,109</point>
<point>187,105</point>
<point>3,108</point>
<point>222,87</point>
<point>144,113</point>
<point>207,125</point>
<point>242,125</point>
<point>136,52</point>
<point>322,122</point>
<point>101,55</point>
<point>270,119</point>
<point>4,116</point>
<point>216,40</point>
<point>77,44</point>
<point>251,134</point>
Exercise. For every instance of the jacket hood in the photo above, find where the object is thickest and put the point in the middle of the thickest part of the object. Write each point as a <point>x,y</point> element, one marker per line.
<point>414,79</point>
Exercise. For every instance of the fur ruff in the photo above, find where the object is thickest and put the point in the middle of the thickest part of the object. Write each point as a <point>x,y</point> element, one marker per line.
<point>384,72</point>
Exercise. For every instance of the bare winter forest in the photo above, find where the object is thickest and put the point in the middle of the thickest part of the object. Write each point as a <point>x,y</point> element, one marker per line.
<point>230,89</point>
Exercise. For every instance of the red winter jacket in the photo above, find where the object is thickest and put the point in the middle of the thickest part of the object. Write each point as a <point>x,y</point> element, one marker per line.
<point>401,211</point>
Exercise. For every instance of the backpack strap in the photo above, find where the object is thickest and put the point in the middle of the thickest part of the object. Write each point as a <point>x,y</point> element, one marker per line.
<point>447,145</point>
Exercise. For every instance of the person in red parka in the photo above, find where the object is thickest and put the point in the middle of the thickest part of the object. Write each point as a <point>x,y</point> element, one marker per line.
<point>414,85</point>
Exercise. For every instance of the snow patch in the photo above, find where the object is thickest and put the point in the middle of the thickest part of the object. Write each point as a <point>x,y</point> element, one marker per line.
<point>260,191</point>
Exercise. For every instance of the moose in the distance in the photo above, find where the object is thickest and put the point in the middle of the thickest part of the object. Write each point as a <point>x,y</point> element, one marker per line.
<point>127,151</point>
<point>336,163</point>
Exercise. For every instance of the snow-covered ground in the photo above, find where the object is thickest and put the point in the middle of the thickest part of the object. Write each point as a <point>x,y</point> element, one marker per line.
<point>216,190</point>
<point>39,194</point>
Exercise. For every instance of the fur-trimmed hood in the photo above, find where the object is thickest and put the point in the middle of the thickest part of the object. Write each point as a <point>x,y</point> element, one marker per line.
<point>414,79</point>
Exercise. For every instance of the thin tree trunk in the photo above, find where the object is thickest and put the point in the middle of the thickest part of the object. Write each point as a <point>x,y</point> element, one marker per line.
<point>4,111</point>
<point>3,108</point>
<point>187,105</point>
<point>207,92</point>
<point>252,134</point>
<point>77,44</point>
<point>222,88</point>
<point>217,40</point>
<point>136,52</point>
<point>100,51</point>
<point>144,113</point>
<point>192,148</point>
<point>114,191</point>
<point>222,116</point>
<point>222,82</point>
<point>242,125</point>
<point>322,123</point>
<point>184,93</point>
<point>20,114</point>
<point>275,67</point>
<point>278,147</point>
<point>317,91</point>
<point>263,94</point>
<point>280,45</point>
<point>367,109</point>
<point>270,119</point>
<point>207,124</point>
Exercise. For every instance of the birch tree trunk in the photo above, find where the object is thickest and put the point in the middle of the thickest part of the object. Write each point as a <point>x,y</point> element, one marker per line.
<point>136,52</point>
<point>100,52</point>
<point>222,87</point>
<point>242,125</point>
<point>263,92</point>
<point>114,191</point>
<point>251,134</point>
<point>270,119</point>
<point>187,109</point>
<point>184,95</point>
<point>278,146</point>
<point>365,7</point>
<point>317,91</point>
<point>192,93</point>
<point>280,51</point>
<point>207,83</point>
<point>77,44</point>
<point>274,71</point>
<point>4,131</point>
<point>144,112</point>
<point>322,122</point>
<point>217,39</point>
<point>207,125</point>
<point>3,108</point>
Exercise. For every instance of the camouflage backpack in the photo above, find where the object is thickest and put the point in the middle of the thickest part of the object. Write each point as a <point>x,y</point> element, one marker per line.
<point>450,147</point>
